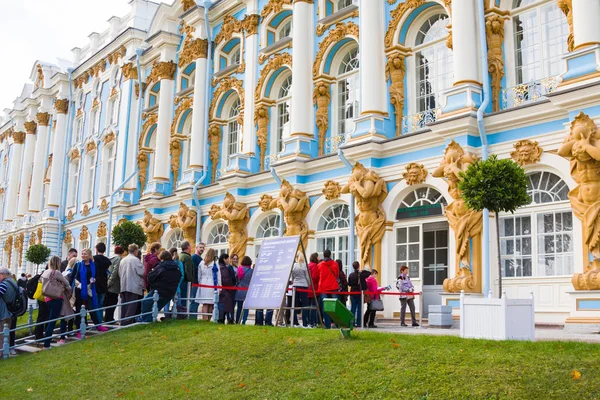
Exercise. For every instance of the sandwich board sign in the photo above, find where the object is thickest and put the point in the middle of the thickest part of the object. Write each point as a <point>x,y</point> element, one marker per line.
<point>271,274</point>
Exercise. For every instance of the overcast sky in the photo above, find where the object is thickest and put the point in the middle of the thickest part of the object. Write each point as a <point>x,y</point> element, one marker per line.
<point>33,30</point>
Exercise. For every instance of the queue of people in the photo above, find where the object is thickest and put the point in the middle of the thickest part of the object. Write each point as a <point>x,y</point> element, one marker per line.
<point>95,281</point>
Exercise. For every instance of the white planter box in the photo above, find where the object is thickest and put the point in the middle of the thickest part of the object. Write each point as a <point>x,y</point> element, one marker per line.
<point>497,319</point>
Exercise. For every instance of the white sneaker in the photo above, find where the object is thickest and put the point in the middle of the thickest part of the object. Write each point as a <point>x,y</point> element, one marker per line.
<point>12,352</point>
<point>297,326</point>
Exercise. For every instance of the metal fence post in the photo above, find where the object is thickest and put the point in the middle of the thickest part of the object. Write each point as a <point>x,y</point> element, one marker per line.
<point>174,308</point>
<point>6,346</point>
<point>82,324</point>
<point>361,308</point>
<point>293,309</point>
<point>155,306</point>
<point>30,320</point>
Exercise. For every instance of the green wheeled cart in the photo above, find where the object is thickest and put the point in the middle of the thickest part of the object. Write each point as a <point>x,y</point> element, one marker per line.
<point>339,314</point>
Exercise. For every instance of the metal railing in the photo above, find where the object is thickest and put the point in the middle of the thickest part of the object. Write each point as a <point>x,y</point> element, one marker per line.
<point>529,92</point>
<point>332,144</point>
<point>271,160</point>
<point>415,122</point>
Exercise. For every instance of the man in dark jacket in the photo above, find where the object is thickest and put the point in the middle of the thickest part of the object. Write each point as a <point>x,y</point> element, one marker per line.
<point>102,266</point>
<point>164,278</point>
<point>63,265</point>
<point>114,285</point>
<point>150,261</point>
<point>188,268</point>
<point>196,259</point>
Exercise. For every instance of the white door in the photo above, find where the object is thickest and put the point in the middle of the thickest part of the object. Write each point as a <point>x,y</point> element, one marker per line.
<point>435,263</point>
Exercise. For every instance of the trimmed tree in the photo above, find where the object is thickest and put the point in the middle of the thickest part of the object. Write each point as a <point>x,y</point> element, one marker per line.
<point>127,233</point>
<point>37,254</point>
<point>499,185</point>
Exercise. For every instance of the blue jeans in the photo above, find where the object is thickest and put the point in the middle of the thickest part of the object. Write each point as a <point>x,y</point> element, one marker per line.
<point>193,304</point>
<point>183,294</point>
<point>268,320</point>
<point>356,308</point>
<point>301,300</point>
<point>148,303</point>
<point>238,313</point>
<point>55,307</point>
<point>313,315</point>
<point>100,305</point>
<point>326,319</point>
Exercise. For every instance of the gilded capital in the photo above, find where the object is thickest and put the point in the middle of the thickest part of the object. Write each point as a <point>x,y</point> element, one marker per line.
<point>192,50</point>
<point>129,71</point>
<point>188,4</point>
<point>19,137</point>
<point>43,118</point>
<point>162,70</point>
<point>30,127</point>
<point>61,106</point>
<point>250,24</point>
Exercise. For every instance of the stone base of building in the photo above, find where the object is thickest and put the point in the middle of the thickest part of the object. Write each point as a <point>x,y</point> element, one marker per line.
<point>584,312</point>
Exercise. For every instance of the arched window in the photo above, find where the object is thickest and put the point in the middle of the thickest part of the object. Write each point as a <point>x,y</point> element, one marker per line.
<point>73,184</point>
<point>218,238</point>
<point>188,77</point>
<point>422,196</point>
<point>236,56</point>
<point>175,239</point>
<point>333,231</point>
<point>348,91</point>
<point>269,227</point>
<point>540,39</point>
<point>433,62</point>
<point>283,113</point>
<point>285,30</point>
<point>108,169</point>
<point>538,239</point>
<point>89,175</point>
<point>233,129</point>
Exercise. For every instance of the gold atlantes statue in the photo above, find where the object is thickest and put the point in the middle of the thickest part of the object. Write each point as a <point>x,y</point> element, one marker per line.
<point>237,216</point>
<point>295,206</point>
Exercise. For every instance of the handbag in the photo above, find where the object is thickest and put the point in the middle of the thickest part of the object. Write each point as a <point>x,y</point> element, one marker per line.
<point>38,292</point>
<point>377,305</point>
<point>51,287</point>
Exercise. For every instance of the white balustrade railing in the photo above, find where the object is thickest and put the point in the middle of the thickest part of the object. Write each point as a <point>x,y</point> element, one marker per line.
<point>415,122</point>
<point>529,92</point>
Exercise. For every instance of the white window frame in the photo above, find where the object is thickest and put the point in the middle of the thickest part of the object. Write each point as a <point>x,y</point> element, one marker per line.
<point>339,235</point>
<point>106,180</point>
<point>276,127</point>
<point>89,176</point>
<point>215,238</point>
<point>228,131</point>
<point>280,35</point>
<point>335,130</point>
<point>174,239</point>
<point>74,183</point>
<point>268,228</point>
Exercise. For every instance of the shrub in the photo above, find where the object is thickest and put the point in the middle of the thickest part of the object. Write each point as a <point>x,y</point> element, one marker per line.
<point>127,233</point>
<point>37,254</point>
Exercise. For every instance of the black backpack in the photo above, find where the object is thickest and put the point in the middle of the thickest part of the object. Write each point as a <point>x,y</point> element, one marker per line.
<point>18,306</point>
<point>32,285</point>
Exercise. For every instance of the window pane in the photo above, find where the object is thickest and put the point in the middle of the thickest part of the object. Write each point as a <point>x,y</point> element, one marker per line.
<point>414,234</point>
<point>413,269</point>
<point>428,258</point>
<point>401,235</point>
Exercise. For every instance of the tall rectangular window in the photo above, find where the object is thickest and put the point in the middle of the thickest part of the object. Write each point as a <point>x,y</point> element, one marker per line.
<point>408,249</point>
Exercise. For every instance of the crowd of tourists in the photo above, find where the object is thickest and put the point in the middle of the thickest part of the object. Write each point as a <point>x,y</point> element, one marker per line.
<point>184,281</point>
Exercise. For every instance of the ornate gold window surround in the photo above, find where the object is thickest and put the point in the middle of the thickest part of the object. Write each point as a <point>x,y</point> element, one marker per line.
<point>325,23</point>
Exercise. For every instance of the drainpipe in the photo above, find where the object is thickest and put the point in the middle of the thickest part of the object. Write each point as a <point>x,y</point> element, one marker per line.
<point>63,195</point>
<point>206,4</point>
<point>279,211</point>
<point>138,53</point>
<point>351,243</point>
<point>485,270</point>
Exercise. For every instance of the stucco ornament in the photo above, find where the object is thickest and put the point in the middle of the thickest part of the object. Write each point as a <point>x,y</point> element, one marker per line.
<point>265,202</point>
<point>102,231</point>
<point>237,216</point>
<point>186,220</point>
<point>214,137</point>
<point>582,148</point>
<point>142,160</point>
<point>273,7</point>
<point>19,240</point>
<point>395,70</point>
<point>8,247</point>
<point>295,206</point>
<point>84,234</point>
<point>526,152</point>
<point>494,29</point>
<point>332,190</point>
<point>415,174</point>
<point>32,239</point>
<point>370,191</point>
<point>465,223</point>
<point>152,227</point>
<point>70,215</point>
<point>39,80</point>
<point>103,205</point>
<point>68,239</point>
<point>86,211</point>
<point>566,6</point>
<point>40,234</point>
<point>322,98</point>
<point>261,120</point>
<point>175,158</point>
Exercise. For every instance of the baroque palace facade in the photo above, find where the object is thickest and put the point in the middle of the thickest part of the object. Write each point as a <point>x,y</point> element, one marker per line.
<point>394,84</point>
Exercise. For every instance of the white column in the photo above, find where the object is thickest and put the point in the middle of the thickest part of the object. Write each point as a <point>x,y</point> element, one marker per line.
<point>124,164</point>
<point>250,77</point>
<point>58,151</point>
<point>35,197</point>
<point>586,28</point>
<point>163,129</point>
<point>372,57</point>
<point>303,114</point>
<point>30,142</point>
<point>198,147</point>
<point>464,42</point>
<point>15,163</point>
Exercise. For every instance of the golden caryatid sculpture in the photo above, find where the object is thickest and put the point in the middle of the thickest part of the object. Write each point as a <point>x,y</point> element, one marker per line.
<point>582,147</point>
<point>295,206</point>
<point>369,190</point>
<point>466,224</point>
<point>186,220</point>
<point>494,30</point>
<point>394,71</point>
<point>142,160</point>
<point>237,216</point>
<point>8,247</point>
<point>322,98</point>
<point>214,138</point>
<point>152,227</point>
<point>261,120</point>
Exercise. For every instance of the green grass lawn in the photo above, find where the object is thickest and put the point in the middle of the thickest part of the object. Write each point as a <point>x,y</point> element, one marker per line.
<point>189,359</point>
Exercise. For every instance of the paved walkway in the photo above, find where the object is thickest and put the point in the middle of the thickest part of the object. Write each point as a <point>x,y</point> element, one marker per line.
<point>541,334</point>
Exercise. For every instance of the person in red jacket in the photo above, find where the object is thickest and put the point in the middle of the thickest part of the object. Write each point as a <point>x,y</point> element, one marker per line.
<point>150,261</point>
<point>328,282</point>
<point>313,268</point>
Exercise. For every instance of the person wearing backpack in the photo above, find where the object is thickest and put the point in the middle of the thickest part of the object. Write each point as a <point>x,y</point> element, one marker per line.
<point>329,273</point>
<point>9,291</point>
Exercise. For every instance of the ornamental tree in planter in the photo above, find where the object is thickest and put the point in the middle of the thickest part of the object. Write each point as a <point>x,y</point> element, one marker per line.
<point>37,254</point>
<point>127,233</point>
<point>500,185</point>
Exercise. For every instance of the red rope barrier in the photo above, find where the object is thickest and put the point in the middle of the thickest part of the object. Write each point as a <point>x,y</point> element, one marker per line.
<point>310,291</point>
